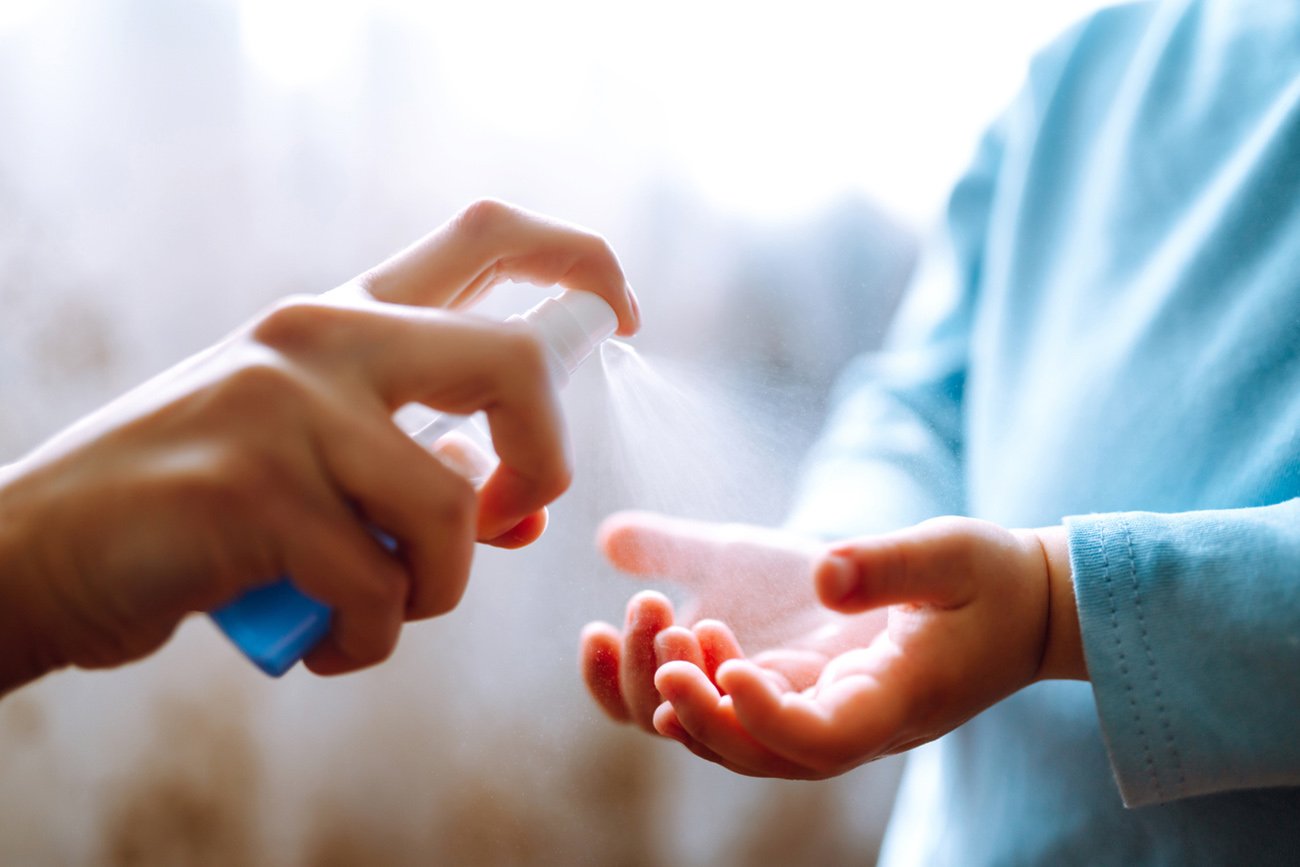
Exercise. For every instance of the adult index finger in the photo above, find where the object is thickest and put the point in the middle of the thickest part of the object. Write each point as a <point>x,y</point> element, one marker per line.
<point>490,242</point>
<point>451,362</point>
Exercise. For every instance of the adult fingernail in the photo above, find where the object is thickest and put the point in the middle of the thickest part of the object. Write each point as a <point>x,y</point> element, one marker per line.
<point>838,577</point>
<point>636,307</point>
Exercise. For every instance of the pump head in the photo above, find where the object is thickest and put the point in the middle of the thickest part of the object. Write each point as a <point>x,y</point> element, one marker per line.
<point>572,325</point>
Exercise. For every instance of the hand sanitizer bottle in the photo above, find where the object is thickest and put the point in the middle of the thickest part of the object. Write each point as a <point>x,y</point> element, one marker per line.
<point>276,625</point>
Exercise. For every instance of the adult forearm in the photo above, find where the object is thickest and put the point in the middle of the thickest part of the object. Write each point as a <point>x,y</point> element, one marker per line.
<point>24,655</point>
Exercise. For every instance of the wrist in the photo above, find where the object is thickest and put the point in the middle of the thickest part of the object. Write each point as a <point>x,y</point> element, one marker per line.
<point>1063,646</point>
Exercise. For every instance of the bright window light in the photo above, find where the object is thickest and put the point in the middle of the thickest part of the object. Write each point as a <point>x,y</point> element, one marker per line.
<point>301,44</point>
<point>15,13</point>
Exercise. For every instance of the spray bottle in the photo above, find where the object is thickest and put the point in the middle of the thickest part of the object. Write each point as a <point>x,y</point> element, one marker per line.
<point>276,625</point>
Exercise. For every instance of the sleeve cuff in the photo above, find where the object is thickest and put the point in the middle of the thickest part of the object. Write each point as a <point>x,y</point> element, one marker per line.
<point>1122,659</point>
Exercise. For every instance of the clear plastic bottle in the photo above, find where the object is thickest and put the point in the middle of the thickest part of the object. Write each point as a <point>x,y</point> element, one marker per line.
<point>276,625</point>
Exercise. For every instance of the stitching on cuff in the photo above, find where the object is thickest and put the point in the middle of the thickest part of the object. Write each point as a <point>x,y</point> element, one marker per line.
<point>1123,660</point>
<point>1161,713</point>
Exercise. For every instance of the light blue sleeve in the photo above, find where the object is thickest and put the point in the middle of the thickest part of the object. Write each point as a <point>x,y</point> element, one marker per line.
<point>1191,631</point>
<point>890,454</point>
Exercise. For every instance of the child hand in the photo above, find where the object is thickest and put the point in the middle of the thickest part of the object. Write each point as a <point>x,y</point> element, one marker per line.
<point>976,613</point>
<point>755,579</point>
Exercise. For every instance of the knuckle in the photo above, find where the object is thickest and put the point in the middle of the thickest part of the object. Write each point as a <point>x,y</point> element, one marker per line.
<point>374,651</point>
<point>263,380</point>
<point>482,216</point>
<point>527,354</point>
<point>384,597</point>
<point>444,585</point>
<point>264,392</point>
<point>454,509</point>
<point>955,540</point>
<point>225,462</point>
<point>557,481</point>
<point>442,571</point>
<point>223,480</point>
<point>946,525</point>
<point>446,598</point>
<point>963,548</point>
<point>390,593</point>
<point>603,250</point>
<point>238,469</point>
<point>296,321</point>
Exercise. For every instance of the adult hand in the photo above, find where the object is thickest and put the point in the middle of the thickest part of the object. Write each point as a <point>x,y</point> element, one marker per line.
<point>491,242</point>
<point>270,453</point>
<point>976,613</point>
<point>755,579</point>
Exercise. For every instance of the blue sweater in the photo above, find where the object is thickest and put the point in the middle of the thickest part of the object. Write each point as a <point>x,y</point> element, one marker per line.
<point>1106,331</point>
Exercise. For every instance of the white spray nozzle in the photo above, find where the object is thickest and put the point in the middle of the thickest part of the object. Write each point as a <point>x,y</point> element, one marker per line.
<point>572,325</point>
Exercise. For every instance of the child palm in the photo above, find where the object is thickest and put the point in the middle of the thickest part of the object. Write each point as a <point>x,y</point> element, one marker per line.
<point>751,585</point>
<point>975,612</point>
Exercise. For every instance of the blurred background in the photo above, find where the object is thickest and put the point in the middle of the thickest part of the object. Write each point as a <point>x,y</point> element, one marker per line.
<point>168,167</point>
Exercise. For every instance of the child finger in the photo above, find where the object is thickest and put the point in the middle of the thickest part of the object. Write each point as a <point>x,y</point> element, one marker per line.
<point>796,670</point>
<point>667,724</point>
<point>600,651</point>
<point>848,722</point>
<point>677,643</point>
<point>718,644</point>
<point>648,614</point>
<point>650,545</point>
<point>709,719</point>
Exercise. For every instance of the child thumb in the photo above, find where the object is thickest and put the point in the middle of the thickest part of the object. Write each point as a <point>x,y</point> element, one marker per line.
<point>930,563</point>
